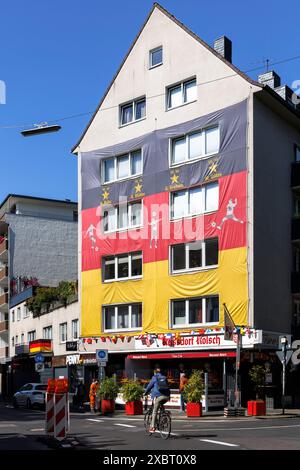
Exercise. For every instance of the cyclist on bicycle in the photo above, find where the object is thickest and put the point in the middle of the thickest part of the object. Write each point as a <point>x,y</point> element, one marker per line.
<point>160,393</point>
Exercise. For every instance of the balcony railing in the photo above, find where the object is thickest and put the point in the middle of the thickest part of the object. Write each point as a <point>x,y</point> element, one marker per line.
<point>4,302</point>
<point>295,175</point>
<point>4,250</point>
<point>3,326</point>
<point>3,275</point>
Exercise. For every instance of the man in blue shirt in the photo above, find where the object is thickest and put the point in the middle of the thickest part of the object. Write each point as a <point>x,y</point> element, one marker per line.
<point>160,393</point>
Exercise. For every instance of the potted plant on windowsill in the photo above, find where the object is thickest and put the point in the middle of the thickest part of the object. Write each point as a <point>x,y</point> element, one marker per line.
<point>132,392</point>
<point>257,407</point>
<point>192,394</point>
<point>108,391</point>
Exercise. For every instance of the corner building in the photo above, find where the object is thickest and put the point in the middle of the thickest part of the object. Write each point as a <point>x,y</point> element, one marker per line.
<point>176,213</point>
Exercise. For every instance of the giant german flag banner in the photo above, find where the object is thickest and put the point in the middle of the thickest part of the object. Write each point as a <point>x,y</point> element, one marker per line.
<point>153,191</point>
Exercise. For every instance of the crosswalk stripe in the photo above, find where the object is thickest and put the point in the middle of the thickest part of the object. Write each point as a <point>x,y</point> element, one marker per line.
<point>95,420</point>
<point>125,425</point>
<point>219,442</point>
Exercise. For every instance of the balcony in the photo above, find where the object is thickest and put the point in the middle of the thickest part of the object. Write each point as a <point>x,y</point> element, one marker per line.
<point>4,302</point>
<point>295,283</point>
<point>4,276</point>
<point>3,326</point>
<point>4,250</point>
<point>295,175</point>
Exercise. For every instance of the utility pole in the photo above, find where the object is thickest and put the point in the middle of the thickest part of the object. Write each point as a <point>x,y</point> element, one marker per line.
<point>237,369</point>
<point>284,348</point>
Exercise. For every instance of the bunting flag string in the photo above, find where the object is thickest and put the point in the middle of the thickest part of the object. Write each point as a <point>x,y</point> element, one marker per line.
<point>150,338</point>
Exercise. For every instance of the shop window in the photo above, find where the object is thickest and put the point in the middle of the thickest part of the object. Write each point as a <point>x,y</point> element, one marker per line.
<point>195,311</point>
<point>194,256</point>
<point>122,317</point>
<point>120,267</point>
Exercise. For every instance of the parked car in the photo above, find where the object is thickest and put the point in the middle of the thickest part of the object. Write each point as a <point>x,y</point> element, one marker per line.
<point>31,394</point>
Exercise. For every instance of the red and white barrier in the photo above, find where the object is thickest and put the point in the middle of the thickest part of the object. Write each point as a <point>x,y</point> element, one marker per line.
<point>57,409</point>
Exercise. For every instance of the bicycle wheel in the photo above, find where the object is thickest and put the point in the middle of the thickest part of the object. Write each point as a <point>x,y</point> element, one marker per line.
<point>164,425</point>
<point>147,421</point>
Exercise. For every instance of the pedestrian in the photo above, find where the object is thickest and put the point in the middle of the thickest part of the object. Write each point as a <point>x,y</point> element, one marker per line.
<point>80,394</point>
<point>93,394</point>
<point>182,384</point>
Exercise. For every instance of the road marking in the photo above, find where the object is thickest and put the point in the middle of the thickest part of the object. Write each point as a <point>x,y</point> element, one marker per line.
<point>37,429</point>
<point>219,442</point>
<point>239,429</point>
<point>125,425</point>
<point>7,425</point>
<point>95,420</point>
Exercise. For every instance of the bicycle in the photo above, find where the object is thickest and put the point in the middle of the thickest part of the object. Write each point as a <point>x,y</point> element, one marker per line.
<point>163,421</point>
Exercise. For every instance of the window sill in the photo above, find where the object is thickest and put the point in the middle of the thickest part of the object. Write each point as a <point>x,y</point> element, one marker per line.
<point>155,66</point>
<point>119,180</point>
<point>181,105</point>
<point>125,279</point>
<point>132,122</point>
<point>193,325</point>
<point>123,330</point>
<point>194,160</point>
<point>193,270</point>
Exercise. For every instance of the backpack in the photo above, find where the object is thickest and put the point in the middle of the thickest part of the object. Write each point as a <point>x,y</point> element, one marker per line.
<point>162,385</point>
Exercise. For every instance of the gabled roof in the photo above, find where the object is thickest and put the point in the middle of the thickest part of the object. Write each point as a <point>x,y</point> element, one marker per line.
<point>188,31</point>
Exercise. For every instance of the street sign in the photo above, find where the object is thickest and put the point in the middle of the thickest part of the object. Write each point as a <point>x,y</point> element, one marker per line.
<point>102,364</point>
<point>289,341</point>
<point>39,358</point>
<point>71,345</point>
<point>39,367</point>
<point>102,355</point>
<point>281,355</point>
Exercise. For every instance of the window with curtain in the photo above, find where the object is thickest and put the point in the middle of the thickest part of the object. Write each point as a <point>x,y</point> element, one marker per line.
<point>123,266</point>
<point>199,144</point>
<point>195,311</point>
<point>133,111</point>
<point>123,317</point>
<point>122,166</point>
<point>181,93</point>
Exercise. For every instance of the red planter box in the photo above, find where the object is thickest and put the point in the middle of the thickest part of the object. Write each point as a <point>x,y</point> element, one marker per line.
<point>107,406</point>
<point>134,408</point>
<point>256,408</point>
<point>194,409</point>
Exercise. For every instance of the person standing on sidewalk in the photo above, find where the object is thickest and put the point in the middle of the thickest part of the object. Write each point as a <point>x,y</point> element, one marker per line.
<point>93,394</point>
<point>182,384</point>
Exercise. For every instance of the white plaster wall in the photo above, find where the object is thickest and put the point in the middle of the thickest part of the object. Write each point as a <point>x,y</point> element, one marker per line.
<point>183,57</point>
<point>60,315</point>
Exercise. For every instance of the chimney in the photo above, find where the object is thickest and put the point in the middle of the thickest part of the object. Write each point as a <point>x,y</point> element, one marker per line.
<point>270,78</point>
<point>223,46</point>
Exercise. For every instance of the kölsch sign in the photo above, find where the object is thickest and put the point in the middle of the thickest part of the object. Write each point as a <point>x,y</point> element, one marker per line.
<point>71,345</point>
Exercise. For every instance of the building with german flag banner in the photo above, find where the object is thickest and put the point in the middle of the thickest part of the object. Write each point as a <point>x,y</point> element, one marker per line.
<point>185,207</point>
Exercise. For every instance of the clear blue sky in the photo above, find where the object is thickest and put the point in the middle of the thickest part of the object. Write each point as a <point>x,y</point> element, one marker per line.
<point>57,58</point>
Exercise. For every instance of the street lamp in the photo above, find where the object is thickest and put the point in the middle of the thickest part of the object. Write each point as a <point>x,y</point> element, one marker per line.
<point>284,342</point>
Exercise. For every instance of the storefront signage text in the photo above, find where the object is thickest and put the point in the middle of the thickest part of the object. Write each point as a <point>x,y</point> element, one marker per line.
<point>73,359</point>
<point>192,341</point>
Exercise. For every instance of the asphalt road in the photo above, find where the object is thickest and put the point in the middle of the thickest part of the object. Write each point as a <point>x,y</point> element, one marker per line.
<point>21,429</point>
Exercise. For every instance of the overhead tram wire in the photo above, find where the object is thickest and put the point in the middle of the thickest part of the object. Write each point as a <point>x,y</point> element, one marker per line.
<point>73,116</point>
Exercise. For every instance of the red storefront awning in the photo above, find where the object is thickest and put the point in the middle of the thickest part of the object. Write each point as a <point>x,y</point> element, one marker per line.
<point>182,355</point>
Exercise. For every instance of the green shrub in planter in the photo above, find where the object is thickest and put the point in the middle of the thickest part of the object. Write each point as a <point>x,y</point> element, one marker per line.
<point>131,390</point>
<point>194,389</point>
<point>257,376</point>
<point>108,389</point>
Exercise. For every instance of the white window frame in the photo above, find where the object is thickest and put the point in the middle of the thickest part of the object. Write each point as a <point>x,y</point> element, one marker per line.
<point>18,313</point>
<point>129,210</point>
<point>186,324</point>
<point>22,338</point>
<point>182,85</point>
<point>13,316</point>
<point>46,329</point>
<point>116,278</point>
<point>25,312</point>
<point>116,306</point>
<point>203,195</point>
<point>188,160</point>
<point>29,334</point>
<point>75,322</point>
<point>155,49</point>
<point>133,103</point>
<point>17,339</point>
<point>13,342</point>
<point>64,324</point>
<point>187,269</point>
<point>130,176</point>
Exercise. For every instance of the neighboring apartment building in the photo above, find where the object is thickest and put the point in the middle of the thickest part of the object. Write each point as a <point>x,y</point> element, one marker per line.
<point>51,334</point>
<point>38,246</point>
<point>186,204</point>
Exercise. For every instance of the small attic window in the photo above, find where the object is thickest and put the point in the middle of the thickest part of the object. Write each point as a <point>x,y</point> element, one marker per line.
<point>155,57</point>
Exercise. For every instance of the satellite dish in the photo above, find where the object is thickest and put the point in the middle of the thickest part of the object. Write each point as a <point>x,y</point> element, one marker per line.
<point>42,128</point>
